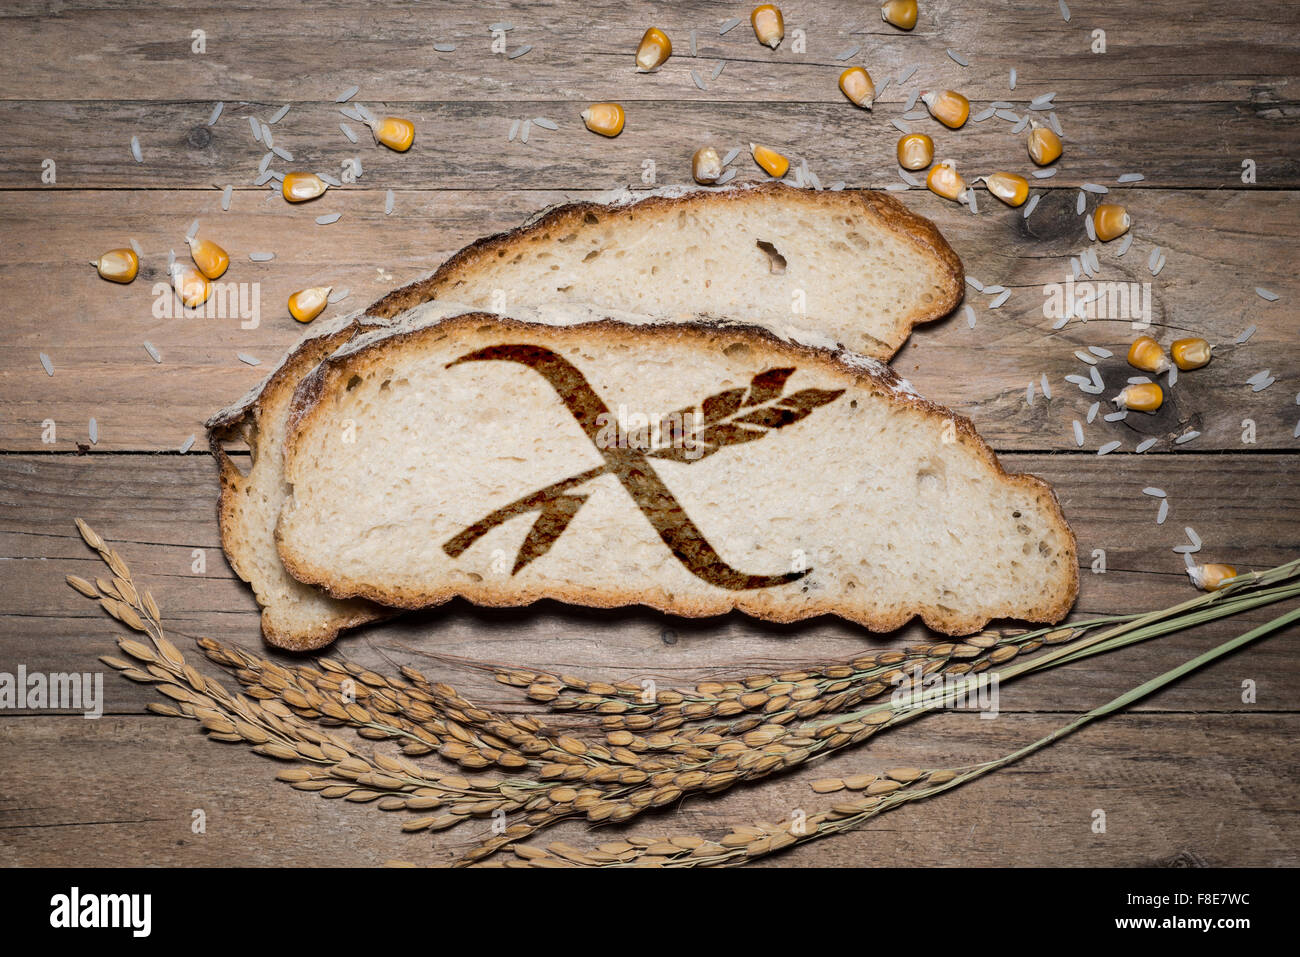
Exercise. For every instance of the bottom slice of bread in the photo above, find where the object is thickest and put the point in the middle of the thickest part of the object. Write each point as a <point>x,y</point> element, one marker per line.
<point>695,470</point>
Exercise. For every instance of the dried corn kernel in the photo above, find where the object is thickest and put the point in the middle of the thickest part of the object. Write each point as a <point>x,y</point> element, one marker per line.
<point>604,118</point>
<point>118,265</point>
<point>394,132</point>
<point>654,49</point>
<point>1008,187</point>
<point>773,162</point>
<point>1044,145</point>
<point>915,151</point>
<point>1110,220</point>
<point>769,25</point>
<point>1210,577</point>
<point>949,107</point>
<point>300,187</point>
<point>945,181</point>
<point>192,286</point>
<point>1190,353</point>
<point>899,13</point>
<point>855,83</point>
<point>306,304</point>
<point>1146,354</point>
<point>211,259</point>
<point>1140,397</point>
<point>706,165</point>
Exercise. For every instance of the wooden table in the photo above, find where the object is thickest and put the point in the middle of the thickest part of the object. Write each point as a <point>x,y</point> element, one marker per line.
<point>1184,94</point>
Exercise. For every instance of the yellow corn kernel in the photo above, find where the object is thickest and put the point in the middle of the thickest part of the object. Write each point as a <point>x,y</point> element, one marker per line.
<point>1044,145</point>
<point>211,259</point>
<point>604,118</point>
<point>1211,577</point>
<point>706,165</point>
<point>1110,220</point>
<point>306,304</point>
<point>899,13</point>
<point>945,181</point>
<point>300,187</point>
<point>654,50</point>
<point>1008,187</point>
<point>118,265</point>
<point>949,107</point>
<point>1140,397</point>
<point>1190,353</point>
<point>769,25</point>
<point>192,285</point>
<point>915,151</point>
<point>855,83</point>
<point>1146,354</point>
<point>395,133</point>
<point>773,162</point>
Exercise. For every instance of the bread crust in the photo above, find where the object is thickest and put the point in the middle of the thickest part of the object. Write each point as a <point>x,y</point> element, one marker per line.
<point>894,215</point>
<point>307,404</point>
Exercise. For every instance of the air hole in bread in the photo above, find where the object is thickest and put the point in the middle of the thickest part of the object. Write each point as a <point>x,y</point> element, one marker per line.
<point>353,383</point>
<point>737,350</point>
<point>591,255</point>
<point>776,261</point>
<point>591,219</point>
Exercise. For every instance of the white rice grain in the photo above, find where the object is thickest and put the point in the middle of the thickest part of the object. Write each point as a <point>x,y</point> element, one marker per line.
<point>1044,173</point>
<point>247,359</point>
<point>1031,205</point>
<point>93,431</point>
<point>257,129</point>
<point>283,153</point>
<point>1266,294</point>
<point>135,149</point>
<point>957,57</point>
<point>261,257</point>
<point>1124,244</point>
<point>389,200</point>
<point>727,176</point>
<point>728,26</point>
<point>216,113</point>
<point>444,47</point>
<point>522,51</point>
<point>1109,447</point>
<point>717,70</point>
<point>187,445</point>
<point>338,295</point>
<point>1163,512</point>
<point>47,364</point>
<point>347,131</point>
<point>327,219</point>
<point>1045,386</point>
<point>1001,298</point>
<point>524,129</point>
<point>1145,444</point>
<point>970,317</point>
<point>1078,433</point>
<point>1245,336</point>
<point>154,354</point>
<point>901,126</point>
<point>225,197</point>
<point>347,94</point>
<point>699,83</point>
<point>1119,416</point>
<point>279,115</point>
<point>850,53</point>
<point>1130,178</point>
<point>1011,79</point>
<point>906,75</point>
<point>1187,437</point>
<point>1154,492</point>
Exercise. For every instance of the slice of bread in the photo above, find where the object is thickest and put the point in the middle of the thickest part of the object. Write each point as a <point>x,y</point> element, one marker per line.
<point>853,268</point>
<point>482,457</point>
<point>295,616</point>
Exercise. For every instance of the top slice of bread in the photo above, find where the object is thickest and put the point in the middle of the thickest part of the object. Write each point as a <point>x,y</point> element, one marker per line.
<point>852,268</point>
<point>479,456</point>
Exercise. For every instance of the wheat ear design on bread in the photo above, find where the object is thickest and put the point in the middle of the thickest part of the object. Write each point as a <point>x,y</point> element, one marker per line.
<point>483,457</point>
<point>299,617</point>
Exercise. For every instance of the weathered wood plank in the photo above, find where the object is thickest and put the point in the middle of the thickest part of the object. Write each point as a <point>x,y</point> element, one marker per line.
<point>1219,245</point>
<point>1200,789</point>
<point>586,52</point>
<point>158,509</point>
<point>464,144</point>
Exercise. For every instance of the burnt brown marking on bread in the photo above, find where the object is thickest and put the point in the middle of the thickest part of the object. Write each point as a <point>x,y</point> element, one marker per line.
<point>632,468</point>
